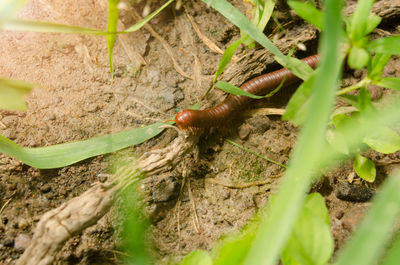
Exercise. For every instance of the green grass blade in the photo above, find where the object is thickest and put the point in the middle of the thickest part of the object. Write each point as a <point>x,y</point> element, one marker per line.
<point>41,26</point>
<point>142,22</point>
<point>113,13</point>
<point>390,82</point>
<point>359,21</point>
<point>308,12</point>
<point>12,94</point>
<point>274,231</point>
<point>297,67</point>
<point>393,254</point>
<point>231,89</point>
<point>388,45</point>
<point>61,155</point>
<point>368,243</point>
<point>226,58</point>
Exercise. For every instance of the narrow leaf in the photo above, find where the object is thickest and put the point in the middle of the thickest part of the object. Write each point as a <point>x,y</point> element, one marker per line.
<point>231,89</point>
<point>226,58</point>
<point>364,167</point>
<point>393,255</point>
<point>61,155</point>
<point>142,22</point>
<point>112,27</point>
<point>308,12</point>
<point>390,82</point>
<point>359,19</point>
<point>386,141</point>
<point>388,45</point>
<point>13,93</point>
<point>377,64</point>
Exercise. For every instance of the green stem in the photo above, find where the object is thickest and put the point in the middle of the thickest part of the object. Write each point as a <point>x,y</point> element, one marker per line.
<point>361,83</point>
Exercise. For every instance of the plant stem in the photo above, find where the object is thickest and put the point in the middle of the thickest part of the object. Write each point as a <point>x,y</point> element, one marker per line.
<point>361,83</point>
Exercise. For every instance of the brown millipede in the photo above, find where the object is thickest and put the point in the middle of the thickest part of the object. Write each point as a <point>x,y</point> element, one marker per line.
<point>261,85</point>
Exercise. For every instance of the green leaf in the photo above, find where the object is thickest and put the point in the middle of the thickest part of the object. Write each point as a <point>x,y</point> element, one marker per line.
<point>393,255</point>
<point>240,20</point>
<point>308,12</point>
<point>358,57</point>
<point>297,108</point>
<point>311,242</point>
<point>359,20</point>
<point>231,89</point>
<point>16,24</point>
<point>376,65</point>
<point>262,13</point>
<point>142,22</point>
<point>233,249</point>
<point>368,243</point>
<point>351,99</point>
<point>302,68</point>
<point>364,167</point>
<point>372,22</point>
<point>112,27</point>
<point>386,141</point>
<point>337,141</point>
<point>364,101</point>
<point>61,155</point>
<point>12,94</point>
<point>390,82</point>
<point>197,257</point>
<point>9,8</point>
<point>388,45</point>
<point>226,58</point>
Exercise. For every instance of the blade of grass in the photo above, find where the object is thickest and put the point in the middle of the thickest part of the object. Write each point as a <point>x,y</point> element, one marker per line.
<point>297,67</point>
<point>308,12</point>
<point>226,58</point>
<point>368,243</point>
<point>142,22</point>
<point>274,231</point>
<point>12,94</point>
<point>388,45</point>
<point>359,20</point>
<point>113,13</point>
<point>61,155</point>
<point>393,254</point>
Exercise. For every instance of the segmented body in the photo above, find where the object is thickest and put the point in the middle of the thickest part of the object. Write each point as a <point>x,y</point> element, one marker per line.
<point>218,115</point>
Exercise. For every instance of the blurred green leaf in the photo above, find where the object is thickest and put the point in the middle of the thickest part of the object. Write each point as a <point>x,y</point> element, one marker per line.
<point>240,20</point>
<point>297,108</point>
<point>365,101</point>
<point>377,64</point>
<point>358,57</point>
<point>385,141</point>
<point>352,100</point>
<point>274,231</point>
<point>359,20</point>
<point>61,155</point>
<point>233,249</point>
<point>337,141</point>
<point>226,58</point>
<point>368,243</point>
<point>142,22</point>
<point>392,257</point>
<point>388,45</point>
<point>16,24</point>
<point>112,27</point>
<point>390,82</point>
<point>372,22</point>
<point>308,12</point>
<point>364,168</point>
<point>311,242</point>
<point>9,8</point>
<point>13,93</point>
<point>197,257</point>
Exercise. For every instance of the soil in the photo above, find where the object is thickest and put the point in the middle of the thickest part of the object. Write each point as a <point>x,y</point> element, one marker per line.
<point>76,101</point>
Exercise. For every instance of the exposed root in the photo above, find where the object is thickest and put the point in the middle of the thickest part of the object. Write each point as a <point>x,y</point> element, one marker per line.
<point>60,224</point>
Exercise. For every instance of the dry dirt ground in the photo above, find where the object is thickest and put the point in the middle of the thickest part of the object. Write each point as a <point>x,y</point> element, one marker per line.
<point>75,101</point>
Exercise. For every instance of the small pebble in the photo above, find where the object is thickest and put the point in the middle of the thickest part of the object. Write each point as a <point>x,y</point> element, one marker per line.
<point>353,192</point>
<point>244,131</point>
<point>45,188</point>
<point>23,223</point>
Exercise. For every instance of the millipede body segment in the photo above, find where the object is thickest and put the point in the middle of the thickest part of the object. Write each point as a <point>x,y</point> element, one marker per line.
<point>218,115</point>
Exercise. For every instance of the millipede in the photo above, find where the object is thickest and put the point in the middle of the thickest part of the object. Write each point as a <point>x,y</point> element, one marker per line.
<point>224,111</point>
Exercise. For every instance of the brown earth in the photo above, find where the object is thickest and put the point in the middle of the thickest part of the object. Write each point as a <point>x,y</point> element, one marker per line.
<point>75,101</point>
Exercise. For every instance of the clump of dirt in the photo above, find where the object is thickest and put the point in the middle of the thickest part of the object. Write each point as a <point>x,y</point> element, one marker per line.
<point>216,189</point>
